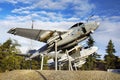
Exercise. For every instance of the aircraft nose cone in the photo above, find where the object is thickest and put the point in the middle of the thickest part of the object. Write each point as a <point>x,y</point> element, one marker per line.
<point>98,23</point>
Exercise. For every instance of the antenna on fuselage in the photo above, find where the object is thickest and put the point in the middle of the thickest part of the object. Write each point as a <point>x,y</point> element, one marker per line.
<point>32,24</point>
<point>89,18</point>
<point>31,46</point>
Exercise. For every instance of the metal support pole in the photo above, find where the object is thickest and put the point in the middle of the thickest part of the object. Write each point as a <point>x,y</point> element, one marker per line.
<point>69,61</point>
<point>55,55</point>
<point>71,66</point>
<point>42,62</point>
<point>75,66</point>
<point>59,66</point>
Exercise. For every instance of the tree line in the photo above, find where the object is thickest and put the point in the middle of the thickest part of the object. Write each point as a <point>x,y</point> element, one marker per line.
<point>110,61</point>
<point>10,61</point>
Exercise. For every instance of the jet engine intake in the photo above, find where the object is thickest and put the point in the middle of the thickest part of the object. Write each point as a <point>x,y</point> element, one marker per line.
<point>84,30</point>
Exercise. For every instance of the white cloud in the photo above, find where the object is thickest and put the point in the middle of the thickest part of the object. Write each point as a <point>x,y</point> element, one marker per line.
<point>76,6</point>
<point>47,10</point>
<point>112,18</point>
<point>22,9</point>
<point>73,19</point>
<point>83,6</point>
<point>19,18</point>
<point>16,1</point>
<point>42,16</point>
<point>49,4</point>
<point>12,1</point>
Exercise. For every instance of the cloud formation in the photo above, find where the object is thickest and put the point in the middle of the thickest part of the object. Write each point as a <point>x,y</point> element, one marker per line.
<point>77,7</point>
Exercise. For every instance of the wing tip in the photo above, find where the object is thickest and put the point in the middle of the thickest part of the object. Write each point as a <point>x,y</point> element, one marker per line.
<point>12,31</point>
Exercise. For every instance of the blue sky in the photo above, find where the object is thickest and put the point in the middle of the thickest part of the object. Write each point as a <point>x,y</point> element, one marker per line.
<point>60,15</point>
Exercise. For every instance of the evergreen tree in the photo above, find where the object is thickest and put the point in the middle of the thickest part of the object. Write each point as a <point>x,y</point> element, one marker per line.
<point>110,58</point>
<point>91,60</point>
<point>118,64</point>
<point>8,59</point>
<point>90,42</point>
<point>45,67</point>
<point>110,48</point>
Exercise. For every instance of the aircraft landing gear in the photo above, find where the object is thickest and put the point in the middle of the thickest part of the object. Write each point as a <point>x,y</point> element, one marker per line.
<point>69,61</point>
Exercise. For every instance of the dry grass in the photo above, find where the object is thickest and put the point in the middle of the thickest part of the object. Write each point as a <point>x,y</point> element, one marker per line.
<point>58,75</point>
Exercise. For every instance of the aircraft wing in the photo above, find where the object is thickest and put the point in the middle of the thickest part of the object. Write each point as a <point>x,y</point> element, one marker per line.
<point>35,34</point>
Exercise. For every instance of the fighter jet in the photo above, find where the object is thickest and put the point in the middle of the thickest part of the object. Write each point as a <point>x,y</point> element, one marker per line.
<point>65,40</point>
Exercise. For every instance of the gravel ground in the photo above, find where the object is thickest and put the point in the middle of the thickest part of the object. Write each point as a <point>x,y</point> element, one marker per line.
<point>58,75</point>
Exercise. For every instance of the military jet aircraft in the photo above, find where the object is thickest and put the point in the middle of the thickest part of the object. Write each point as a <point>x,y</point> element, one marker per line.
<point>65,40</point>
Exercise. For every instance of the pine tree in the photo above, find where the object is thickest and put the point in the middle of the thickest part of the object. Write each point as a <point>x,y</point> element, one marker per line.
<point>110,58</point>
<point>110,48</point>
<point>8,60</point>
<point>91,60</point>
<point>90,42</point>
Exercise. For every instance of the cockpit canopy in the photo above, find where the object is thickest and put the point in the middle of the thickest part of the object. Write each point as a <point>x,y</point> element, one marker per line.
<point>77,24</point>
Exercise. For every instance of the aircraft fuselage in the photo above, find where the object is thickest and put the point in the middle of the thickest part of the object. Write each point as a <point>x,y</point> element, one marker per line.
<point>75,34</point>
